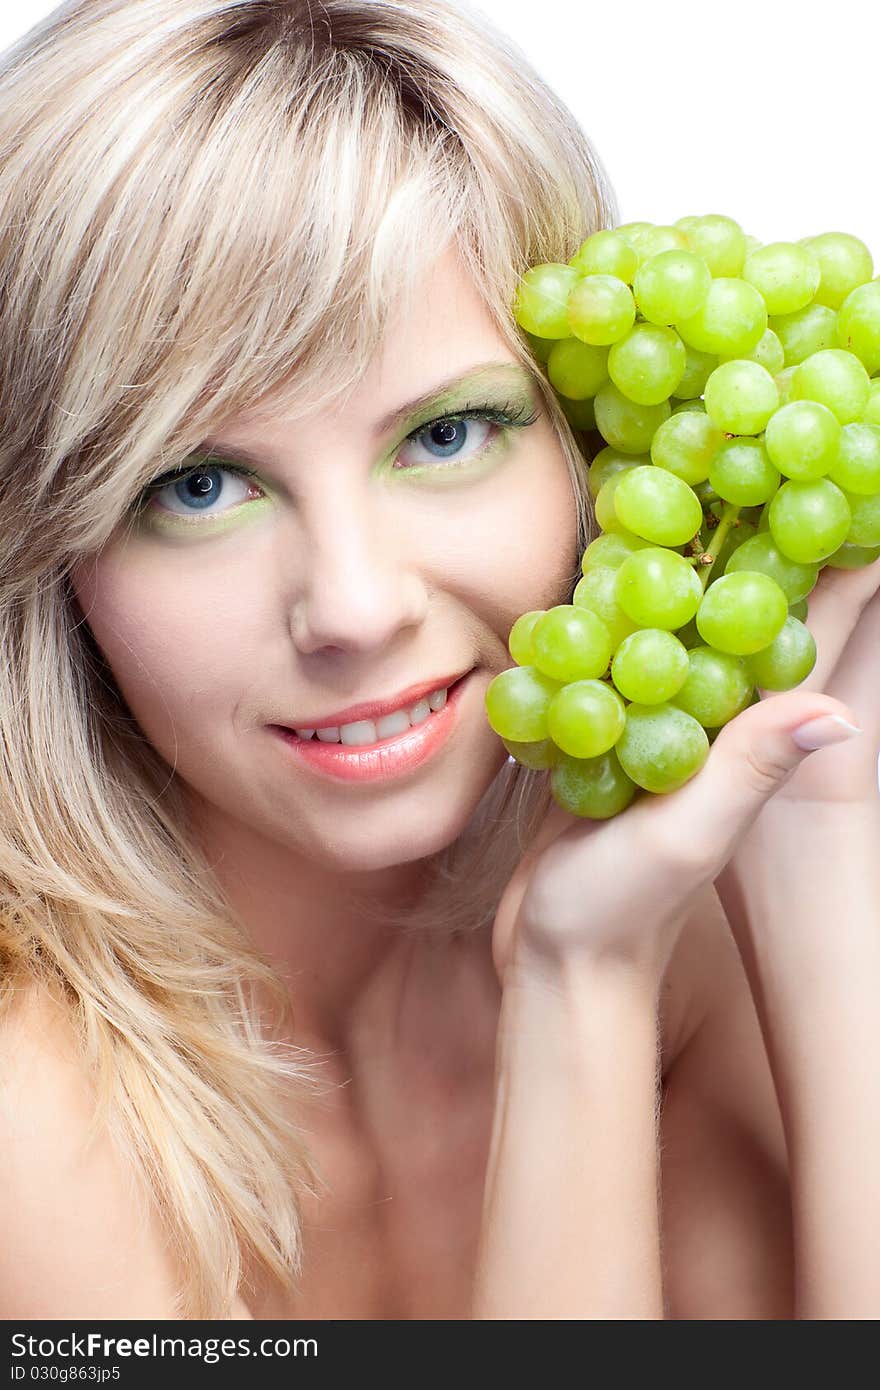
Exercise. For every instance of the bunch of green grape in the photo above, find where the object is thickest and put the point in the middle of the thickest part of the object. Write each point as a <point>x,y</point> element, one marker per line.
<point>735,387</point>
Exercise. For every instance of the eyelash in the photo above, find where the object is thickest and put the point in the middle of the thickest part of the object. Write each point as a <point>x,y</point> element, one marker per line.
<point>513,415</point>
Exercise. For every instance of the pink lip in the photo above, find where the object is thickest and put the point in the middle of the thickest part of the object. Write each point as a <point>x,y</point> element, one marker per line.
<point>390,757</point>
<point>376,709</point>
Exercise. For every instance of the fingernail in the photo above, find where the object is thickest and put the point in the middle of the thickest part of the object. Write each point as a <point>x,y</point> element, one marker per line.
<point>819,733</point>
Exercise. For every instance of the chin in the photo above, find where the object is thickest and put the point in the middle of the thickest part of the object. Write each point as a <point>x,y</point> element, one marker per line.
<point>371,851</point>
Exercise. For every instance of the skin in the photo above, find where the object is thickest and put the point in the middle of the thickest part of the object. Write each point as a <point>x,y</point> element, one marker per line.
<point>344,581</point>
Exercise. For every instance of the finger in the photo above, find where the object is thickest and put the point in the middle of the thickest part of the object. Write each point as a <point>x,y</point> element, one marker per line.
<point>750,761</point>
<point>854,679</point>
<point>644,864</point>
<point>834,608</point>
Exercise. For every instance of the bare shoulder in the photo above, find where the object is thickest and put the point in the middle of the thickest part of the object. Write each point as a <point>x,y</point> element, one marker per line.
<point>80,1239</point>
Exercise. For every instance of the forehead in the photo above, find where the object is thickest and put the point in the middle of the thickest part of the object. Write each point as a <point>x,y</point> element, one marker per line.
<point>444,328</point>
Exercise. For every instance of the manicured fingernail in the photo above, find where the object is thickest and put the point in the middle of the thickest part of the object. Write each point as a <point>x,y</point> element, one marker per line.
<point>819,733</point>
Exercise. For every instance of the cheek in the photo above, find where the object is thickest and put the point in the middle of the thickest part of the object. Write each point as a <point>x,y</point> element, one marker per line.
<point>532,556</point>
<point>166,642</point>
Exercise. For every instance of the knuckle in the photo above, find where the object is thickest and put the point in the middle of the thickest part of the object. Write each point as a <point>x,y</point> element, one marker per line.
<point>683,857</point>
<point>765,770</point>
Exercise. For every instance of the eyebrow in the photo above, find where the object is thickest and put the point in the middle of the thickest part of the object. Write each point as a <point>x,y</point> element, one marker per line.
<point>438,396</point>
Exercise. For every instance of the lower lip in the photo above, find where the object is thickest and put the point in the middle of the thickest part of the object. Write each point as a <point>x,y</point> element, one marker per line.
<point>376,762</point>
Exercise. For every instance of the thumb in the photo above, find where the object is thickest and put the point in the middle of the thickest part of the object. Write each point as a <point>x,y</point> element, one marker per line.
<point>755,754</point>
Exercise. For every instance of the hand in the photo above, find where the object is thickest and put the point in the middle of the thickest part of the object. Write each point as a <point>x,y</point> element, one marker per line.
<point>620,889</point>
<point>844,618</point>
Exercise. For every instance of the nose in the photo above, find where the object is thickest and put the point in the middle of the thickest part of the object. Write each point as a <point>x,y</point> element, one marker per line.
<point>362,583</point>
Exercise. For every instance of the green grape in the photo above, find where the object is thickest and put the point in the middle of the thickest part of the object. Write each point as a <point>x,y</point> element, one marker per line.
<point>698,367</point>
<point>803,440</point>
<point>786,276</point>
<point>655,504</point>
<point>606,253</point>
<point>742,473</point>
<point>871,413</point>
<point>661,747</point>
<point>768,353</point>
<point>742,612</point>
<point>864,527</point>
<point>540,347</point>
<point>654,241</point>
<point>809,520</point>
<point>631,230</point>
<point>720,241</point>
<point>858,462</point>
<point>657,588</point>
<point>586,718</point>
<point>809,330</point>
<point>853,557</point>
<point>570,643</point>
<point>611,550</point>
<point>540,755</point>
<point>684,224</point>
<point>581,415</point>
<point>730,382</point>
<point>576,369</point>
<point>598,592</point>
<point>788,659</point>
<point>858,324</point>
<point>647,364</point>
<point>649,666</point>
<point>517,701</point>
<point>834,378</point>
<point>783,383</point>
<point>519,643</point>
<point>541,304</point>
<point>608,462</point>
<point>740,397</point>
<point>845,262</point>
<point>686,444</point>
<point>626,425</point>
<point>718,687</point>
<point>601,309</point>
<point>761,555</point>
<point>731,321</point>
<point>597,788</point>
<point>671,285</point>
<point>604,505</point>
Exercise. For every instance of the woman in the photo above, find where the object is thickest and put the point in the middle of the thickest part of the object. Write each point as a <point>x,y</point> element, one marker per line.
<point>281,1041</point>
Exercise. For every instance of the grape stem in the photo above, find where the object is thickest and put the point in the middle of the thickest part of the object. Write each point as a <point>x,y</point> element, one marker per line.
<point>706,558</point>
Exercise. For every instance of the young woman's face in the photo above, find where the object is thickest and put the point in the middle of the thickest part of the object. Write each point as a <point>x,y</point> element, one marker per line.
<point>356,563</point>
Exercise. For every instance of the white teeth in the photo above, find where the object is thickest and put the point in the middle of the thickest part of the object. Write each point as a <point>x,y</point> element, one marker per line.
<point>388,725</point>
<point>365,731</point>
<point>419,713</point>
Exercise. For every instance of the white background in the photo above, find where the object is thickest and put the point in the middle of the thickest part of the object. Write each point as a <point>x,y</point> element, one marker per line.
<point>761,109</point>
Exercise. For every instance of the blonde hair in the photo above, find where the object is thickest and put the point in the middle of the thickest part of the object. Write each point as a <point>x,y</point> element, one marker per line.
<point>206,202</point>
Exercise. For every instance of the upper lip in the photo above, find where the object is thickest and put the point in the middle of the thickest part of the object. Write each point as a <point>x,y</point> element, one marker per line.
<point>377,709</point>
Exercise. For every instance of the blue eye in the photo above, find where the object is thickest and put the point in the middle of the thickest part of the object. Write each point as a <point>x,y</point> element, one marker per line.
<point>451,438</point>
<point>201,486</point>
<point>450,434</point>
<point>197,486</point>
